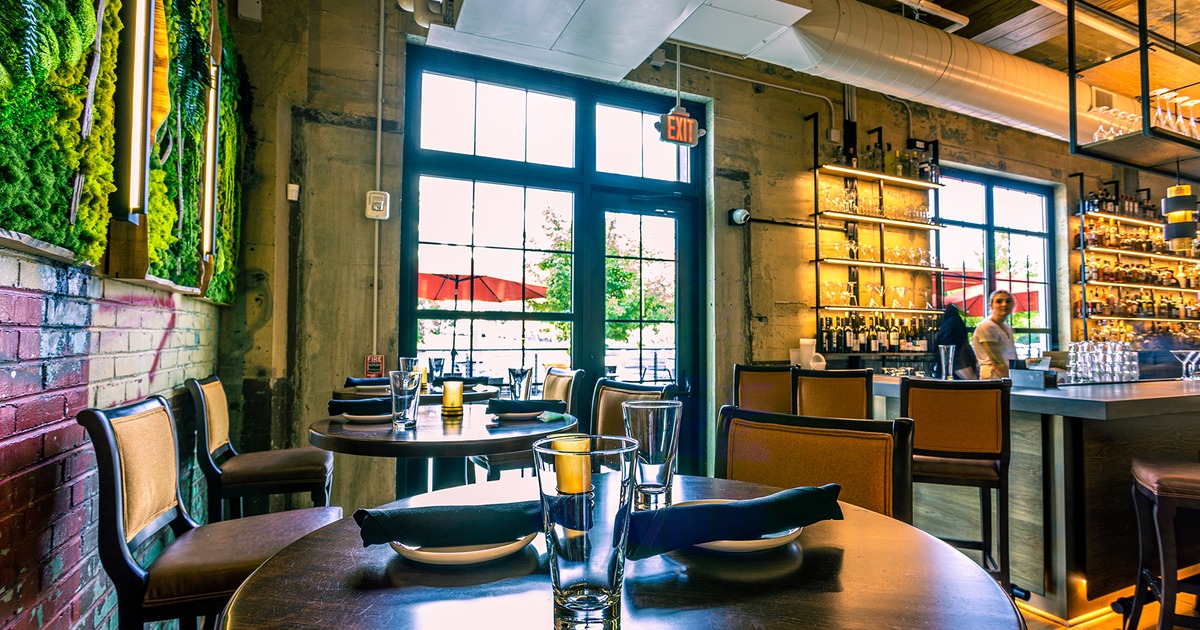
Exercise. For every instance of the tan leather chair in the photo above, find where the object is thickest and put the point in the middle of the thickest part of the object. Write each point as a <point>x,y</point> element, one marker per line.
<point>607,415</point>
<point>1160,490</point>
<point>764,388</point>
<point>871,459</point>
<point>197,572</point>
<point>961,438</point>
<point>833,393</point>
<point>560,384</point>
<point>231,475</point>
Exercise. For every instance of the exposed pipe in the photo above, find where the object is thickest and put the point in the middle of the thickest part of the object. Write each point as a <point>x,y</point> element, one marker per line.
<point>921,6</point>
<point>424,12</point>
<point>378,177</point>
<point>908,108</point>
<point>407,5</point>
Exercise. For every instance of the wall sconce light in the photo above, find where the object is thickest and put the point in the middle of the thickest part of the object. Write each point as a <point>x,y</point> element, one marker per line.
<point>739,216</point>
<point>1179,206</point>
<point>135,91</point>
<point>212,124</point>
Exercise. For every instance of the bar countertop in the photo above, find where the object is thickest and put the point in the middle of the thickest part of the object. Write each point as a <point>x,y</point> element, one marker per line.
<point>1098,402</point>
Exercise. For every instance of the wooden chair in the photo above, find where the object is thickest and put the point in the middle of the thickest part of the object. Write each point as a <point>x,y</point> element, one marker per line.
<point>871,459</point>
<point>764,388</point>
<point>197,572</point>
<point>961,438</point>
<point>607,416</point>
<point>560,384</point>
<point>832,393</point>
<point>231,475</point>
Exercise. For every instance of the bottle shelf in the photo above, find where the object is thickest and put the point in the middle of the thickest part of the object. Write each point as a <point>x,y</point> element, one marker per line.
<point>864,218</point>
<point>1145,319</point>
<point>873,176</point>
<point>880,309</point>
<point>1134,285</point>
<point>1120,218</point>
<point>1149,255</point>
<point>850,262</point>
<point>878,354</point>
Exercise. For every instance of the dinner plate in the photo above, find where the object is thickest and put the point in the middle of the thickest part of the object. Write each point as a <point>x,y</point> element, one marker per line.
<point>769,541</point>
<point>523,415</point>
<point>372,389</point>
<point>469,554</point>
<point>387,417</point>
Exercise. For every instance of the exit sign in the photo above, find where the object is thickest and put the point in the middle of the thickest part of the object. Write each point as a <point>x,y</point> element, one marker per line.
<point>677,127</point>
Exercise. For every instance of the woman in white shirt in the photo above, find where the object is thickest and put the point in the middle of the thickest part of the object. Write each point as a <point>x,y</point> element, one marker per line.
<point>993,341</point>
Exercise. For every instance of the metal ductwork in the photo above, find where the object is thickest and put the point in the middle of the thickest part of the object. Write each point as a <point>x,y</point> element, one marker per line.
<point>861,45</point>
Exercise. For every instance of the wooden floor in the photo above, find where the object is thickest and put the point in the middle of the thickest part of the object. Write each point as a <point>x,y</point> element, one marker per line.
<point>1111,621</point>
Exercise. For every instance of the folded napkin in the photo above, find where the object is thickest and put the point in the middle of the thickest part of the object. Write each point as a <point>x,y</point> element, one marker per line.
<point>366,382</point>
<point>497,406</point>
<point>650,532</point>
<point>361,407</point>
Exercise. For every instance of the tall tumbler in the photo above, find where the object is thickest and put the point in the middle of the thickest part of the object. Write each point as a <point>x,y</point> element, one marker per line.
<point>405,393</point>
<point>655,425</point>
<point>586,484</point>
<point>946,362</point>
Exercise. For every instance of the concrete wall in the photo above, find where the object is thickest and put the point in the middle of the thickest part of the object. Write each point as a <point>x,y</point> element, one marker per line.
<point>313,73</point>
<point>70,340</point>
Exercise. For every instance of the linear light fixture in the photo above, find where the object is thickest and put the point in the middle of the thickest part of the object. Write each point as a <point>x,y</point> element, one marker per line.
<point>1123,219</point>
<point>1151,255</point>
<point>135,84</point>
<point>211,154</point>
<point>863,218</point>
<point>1146,319</point>
<point>873,176</point>
<point>1152,287</point>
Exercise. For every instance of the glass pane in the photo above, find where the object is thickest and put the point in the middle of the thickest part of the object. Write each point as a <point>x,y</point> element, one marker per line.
<point>500,122</point>
<point>444,207</point>
<point>658,237</point>
<point>1020,258</point>
<point>685,164</point>
<point>444,338</point>
<point>497,285</point>
<point>499,215</point>
<point>495,347</point>
<point>1019,209</point>
<point>618,141</point>
<point>658,353</point>
<point>447,114</point>
<point>659,157</point>
<point>548,219</point>
<point>962,250</point>
<point>624,234</point>
<point>443,273</point>
<point>551,130</point>
<point>549,275</point>
<point>1032,344</point>
<point>658,291</point>
<point>621,291</point>
<point>962,201</point>
<point>1033,304</point>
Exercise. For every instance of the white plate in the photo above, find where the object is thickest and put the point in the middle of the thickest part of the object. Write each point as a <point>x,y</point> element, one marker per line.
<point>469,554</point>
<point>387,417</point>
<point>524,415</point>
<point>372,389</point>
<point>770,541</point>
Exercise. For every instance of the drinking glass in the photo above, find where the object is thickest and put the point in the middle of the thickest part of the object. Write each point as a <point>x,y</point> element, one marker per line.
<point>405,389</point>
<point>516,377</point>
<point>655,425</point>
<point>946,362</point>
<point>1188,359</point>
<point>586,483</point>
<point>436,366</point>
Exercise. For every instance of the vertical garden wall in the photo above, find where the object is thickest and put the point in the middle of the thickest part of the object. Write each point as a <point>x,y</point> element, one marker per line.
<point>57,81</point>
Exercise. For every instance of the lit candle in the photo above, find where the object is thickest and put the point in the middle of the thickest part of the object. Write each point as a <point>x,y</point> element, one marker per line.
<point>452,397</point>
<point>574,472</point>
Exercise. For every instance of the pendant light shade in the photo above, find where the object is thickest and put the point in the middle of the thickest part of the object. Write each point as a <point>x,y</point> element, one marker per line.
<point>1179,207</point>
<point>135,84</point>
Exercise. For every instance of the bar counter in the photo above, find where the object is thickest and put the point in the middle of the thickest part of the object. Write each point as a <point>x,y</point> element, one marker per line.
<point>1074,536</point>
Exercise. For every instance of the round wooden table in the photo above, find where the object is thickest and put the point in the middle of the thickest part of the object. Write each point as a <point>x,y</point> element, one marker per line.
<point>868,571</point>
<point>431,396</point>
<point>448,440</point>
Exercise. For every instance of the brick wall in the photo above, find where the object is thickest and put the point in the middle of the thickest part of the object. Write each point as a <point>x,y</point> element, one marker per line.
<point>69,340</point>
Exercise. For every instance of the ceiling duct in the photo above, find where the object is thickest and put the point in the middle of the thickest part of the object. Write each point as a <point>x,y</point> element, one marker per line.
<point>860,45</point>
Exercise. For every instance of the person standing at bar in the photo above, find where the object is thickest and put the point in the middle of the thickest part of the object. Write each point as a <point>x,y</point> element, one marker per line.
<point>994,341</point>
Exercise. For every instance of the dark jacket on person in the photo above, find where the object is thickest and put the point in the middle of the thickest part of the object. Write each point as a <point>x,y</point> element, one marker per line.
<point>952,331</point>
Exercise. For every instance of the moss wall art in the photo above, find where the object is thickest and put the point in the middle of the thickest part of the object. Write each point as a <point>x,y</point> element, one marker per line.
<point>57,137</point>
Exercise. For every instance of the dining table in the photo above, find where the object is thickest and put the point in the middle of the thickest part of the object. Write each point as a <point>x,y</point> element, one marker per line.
<point>431,395</point>
<point>447,440</point>
<point>867,571</point>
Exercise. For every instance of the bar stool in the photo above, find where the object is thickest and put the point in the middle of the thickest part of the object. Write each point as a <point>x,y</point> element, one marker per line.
<point>1161,488</point>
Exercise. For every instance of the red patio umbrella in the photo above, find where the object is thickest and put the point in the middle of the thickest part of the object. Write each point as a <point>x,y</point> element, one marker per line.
<point>972,299</point>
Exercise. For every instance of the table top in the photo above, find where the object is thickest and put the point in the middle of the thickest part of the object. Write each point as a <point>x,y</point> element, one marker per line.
<point>431,396</point>
<point>476,432</point>
<point>864,572</point>
<point>1102,401</point>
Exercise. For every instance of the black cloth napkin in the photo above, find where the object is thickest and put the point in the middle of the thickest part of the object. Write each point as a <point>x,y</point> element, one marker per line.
<point>366,382</point>
<point>497,406</point>
<point>361,407</point>
<point>650,532</point>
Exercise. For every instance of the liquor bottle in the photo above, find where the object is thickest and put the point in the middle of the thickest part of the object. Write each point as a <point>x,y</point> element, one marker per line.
<point>893,336</point>
<point>889,161</point>
<point>863,334</point>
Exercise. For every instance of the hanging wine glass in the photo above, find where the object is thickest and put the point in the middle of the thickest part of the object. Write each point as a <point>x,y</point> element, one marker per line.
<point>1191,105</point>
<point>1175,122</point>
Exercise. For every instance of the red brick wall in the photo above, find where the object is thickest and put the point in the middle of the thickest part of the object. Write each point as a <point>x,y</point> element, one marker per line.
<point>69,340</point>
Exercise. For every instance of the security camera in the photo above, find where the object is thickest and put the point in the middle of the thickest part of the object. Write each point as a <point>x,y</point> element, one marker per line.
<point>739,216</point>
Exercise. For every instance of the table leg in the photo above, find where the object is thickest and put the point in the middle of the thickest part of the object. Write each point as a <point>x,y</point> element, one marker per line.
<point>412,476</point>
<point>449,472</point>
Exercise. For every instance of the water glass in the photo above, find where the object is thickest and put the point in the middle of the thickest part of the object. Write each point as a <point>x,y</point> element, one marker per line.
<point>586,486</point>
<point>516,377</point>
<point>436,366</point>
<point>946,362</point>
<point>406,396</point>
<point>655,425</point>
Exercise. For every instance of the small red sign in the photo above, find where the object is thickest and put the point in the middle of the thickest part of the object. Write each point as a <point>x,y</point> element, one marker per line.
<point>679,128</point>
<point>374,366</point>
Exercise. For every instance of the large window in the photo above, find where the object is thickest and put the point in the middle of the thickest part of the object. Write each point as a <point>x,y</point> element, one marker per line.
<point>998,235</point>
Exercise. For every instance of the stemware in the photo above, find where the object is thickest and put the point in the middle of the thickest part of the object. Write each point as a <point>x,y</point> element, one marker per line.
<point>1191,105</point>
<point>1188,358</point>
<point>1175,123</point>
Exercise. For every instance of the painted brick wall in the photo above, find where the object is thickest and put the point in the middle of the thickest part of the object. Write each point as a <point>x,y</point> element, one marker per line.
<point>69,340</point>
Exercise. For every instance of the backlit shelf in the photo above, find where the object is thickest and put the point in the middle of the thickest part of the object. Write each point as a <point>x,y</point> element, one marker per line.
<point>1146,319</point>
<point>872,176</point>
<point>880,309</point>
<point>1124,219</point>
<point>863,218</point>
<point>1130,285</point>
<point>882,265</point>
<point>1151,255</point>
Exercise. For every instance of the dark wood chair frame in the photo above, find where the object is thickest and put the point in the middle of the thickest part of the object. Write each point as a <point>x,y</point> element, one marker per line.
<point>665,392</point>
<point>997,567</point>
<point>1156,530</point>
<point>739,369</point>
<point>211,462</point>
<point>865,373</point>
<point>129,578</point>
<point>900,429</point>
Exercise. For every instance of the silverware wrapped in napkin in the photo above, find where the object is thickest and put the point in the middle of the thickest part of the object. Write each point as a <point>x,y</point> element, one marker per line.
<point>361,407</point>
<point>367,382</point>
<point>650,532</point>
<point>497,406</point>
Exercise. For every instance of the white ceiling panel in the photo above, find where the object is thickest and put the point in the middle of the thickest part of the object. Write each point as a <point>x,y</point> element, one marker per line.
<point>446,37</point>
<point>784,13</point>
<point>531,22</point>
<point>718,29</point>
<point>623,32</point>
